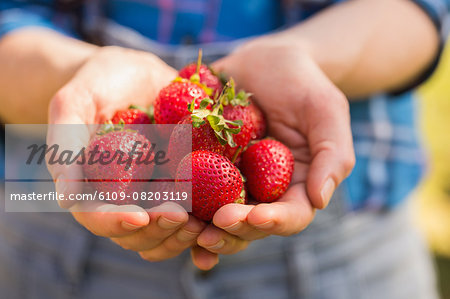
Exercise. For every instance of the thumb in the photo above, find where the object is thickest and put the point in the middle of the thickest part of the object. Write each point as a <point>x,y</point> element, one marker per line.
<point>225,65</point>
<point>331,146</point>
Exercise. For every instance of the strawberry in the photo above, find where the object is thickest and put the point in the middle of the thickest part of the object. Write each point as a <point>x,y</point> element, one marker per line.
<point>198,72</point>
<point>172,101</point>
<point>132,115</point>
<point>209,131</point>
<point>258,121</point>
<point>267,166</point>
<point>215,182</point>
<point>110,168</point>
<point>206,75</point>
<point>236,107</point>
<point>135,118</point>
<point>243,137</point>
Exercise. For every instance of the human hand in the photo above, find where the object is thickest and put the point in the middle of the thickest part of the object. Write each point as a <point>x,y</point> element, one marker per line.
<point>305,111</point>
<point>112,79</point>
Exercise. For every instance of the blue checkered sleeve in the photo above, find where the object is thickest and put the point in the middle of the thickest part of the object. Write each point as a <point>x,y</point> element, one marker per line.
<point>389,159</point>
<point>19,14</point>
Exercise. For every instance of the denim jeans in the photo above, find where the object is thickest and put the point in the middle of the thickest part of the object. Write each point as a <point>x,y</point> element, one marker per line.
<point>340,255</point>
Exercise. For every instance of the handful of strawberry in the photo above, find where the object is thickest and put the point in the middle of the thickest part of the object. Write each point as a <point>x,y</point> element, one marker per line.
<point>227,129</point>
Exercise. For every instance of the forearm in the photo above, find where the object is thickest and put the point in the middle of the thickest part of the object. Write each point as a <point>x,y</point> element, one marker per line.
<point>35,63</point>
<point>369,46</point>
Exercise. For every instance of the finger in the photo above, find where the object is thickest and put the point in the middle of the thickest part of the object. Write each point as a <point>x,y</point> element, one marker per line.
<point>331,146</point>
<point>232,218</point>
<point>289,215</point>
<point>226,65</point>
<point>165,220</point>
<point>175,244</point>
<point>203,259</point>
<point>109,220</point>
<point>219,241</point>
<point>67,130</point>
<point>68,177</point>
<point>221,64</point>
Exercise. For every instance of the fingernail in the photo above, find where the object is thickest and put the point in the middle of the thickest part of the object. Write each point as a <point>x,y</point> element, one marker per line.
<point>165,223</point>
<point>217,246</point>
<point>129,226</point>
<point>327,191</point>
<point>185,236</point>
<point>266,225</point>
<point>233,227</point>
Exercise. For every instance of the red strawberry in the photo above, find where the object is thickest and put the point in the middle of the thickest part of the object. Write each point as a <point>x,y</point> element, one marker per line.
<point>207,77</point>
<point>268,166</point>
<point>171,104</point>
<point>203,138</point>
<point>210,131</point>
<point>215,182</point>
<point>104,170</point>
<point>130,116</point>
<point>135,118</point>
<point>236,108</point>
<point>242,138</point>
<point>258,121</point>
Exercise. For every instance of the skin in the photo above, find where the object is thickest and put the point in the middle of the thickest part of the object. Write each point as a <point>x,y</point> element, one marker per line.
<point>303,80</point>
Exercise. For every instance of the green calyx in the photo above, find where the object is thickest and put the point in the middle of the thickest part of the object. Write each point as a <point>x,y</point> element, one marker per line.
<point>109,127</point>
<point>223,129</point>
<point>195,78</point>
<point>229,96</point>
<point>150,111</point>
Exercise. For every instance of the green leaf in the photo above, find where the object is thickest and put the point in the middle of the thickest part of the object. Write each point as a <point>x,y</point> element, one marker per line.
<point>201,113</point>
<point>205,102</point>
<point>215,122</point>
<point>234,130</point>
<point>230,139</point>
<point>238,123</point>
<point>191,106</point>
<point>197,121</point>
<point>220,137</point>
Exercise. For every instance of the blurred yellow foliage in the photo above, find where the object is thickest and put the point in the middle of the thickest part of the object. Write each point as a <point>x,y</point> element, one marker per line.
<point>432,203</point>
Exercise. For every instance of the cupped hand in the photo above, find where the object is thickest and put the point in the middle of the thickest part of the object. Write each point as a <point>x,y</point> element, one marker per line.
<point>112,79</point>
<point>306,112</point>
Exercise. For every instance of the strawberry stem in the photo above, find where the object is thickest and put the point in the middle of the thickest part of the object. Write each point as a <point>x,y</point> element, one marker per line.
<point>199,61</point>
<point>236,154</point>
<point>196,76</point>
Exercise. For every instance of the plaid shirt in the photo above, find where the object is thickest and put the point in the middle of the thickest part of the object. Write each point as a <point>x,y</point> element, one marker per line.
<point>389,159</point>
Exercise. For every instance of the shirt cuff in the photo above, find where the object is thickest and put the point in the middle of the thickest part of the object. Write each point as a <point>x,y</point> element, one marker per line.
<point>437,11</point>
